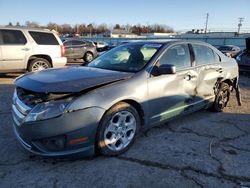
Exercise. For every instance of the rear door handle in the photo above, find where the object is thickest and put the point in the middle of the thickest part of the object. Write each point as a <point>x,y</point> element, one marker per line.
<point>25,49</point>
<point>189,77</point>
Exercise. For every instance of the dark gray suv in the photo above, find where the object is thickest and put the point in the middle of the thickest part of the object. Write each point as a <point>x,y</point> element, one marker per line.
<point>80,49</point>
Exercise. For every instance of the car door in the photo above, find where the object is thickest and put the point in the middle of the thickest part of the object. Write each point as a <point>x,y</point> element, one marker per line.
<point>209,69</point>
<point>172,94</point>
<point>68,49</point>
<point>78,48</point>
<point>15,49</point>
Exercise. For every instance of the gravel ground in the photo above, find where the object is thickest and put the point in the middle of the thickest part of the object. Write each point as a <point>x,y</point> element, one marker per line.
<point>203,149</point>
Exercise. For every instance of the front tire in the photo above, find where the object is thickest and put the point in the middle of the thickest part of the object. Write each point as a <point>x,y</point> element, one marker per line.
<point>38,64</point>
<point>222,97</point>
<point>118,129</point>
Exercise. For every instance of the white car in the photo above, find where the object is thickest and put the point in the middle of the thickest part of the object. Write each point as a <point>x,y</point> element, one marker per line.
<point>101,46</point>
<point>23,49</point>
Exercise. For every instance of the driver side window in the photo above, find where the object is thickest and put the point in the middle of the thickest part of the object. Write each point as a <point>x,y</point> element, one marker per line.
<point>178,56</point>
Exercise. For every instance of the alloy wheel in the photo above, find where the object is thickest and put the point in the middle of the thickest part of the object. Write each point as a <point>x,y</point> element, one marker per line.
<point>120,130</point>
<point>39,65</point>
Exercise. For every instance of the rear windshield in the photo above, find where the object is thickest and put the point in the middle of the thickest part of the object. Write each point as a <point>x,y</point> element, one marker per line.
<point>226,48</point>
<point>44,38</point>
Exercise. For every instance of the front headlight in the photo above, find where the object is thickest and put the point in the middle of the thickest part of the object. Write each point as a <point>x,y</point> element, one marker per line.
<point>46,110</point>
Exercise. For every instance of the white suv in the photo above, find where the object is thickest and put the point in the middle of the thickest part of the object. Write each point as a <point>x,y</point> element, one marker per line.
<point>29,49</point>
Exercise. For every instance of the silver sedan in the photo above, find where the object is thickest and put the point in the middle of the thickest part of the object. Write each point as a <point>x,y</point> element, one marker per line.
<point>101,107</point>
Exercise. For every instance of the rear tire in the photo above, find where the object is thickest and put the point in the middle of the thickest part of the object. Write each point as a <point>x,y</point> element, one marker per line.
<point>221,98</point>
<point>88,57</point>
<point>118,129</point>
<point>38,64</point>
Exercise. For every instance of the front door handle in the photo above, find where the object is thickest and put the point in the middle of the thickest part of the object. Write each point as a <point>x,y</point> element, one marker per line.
<point>219,70</point>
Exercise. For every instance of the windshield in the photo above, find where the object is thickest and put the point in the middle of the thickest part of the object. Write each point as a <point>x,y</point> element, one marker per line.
<point>128,57</point>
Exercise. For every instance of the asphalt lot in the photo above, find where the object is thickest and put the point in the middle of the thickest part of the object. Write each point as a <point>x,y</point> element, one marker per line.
<point>204,149</point>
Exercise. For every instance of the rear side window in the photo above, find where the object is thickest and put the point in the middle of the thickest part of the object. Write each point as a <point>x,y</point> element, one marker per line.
<point>13,37</point>
<point>203,55</point>
<point>178,56</point>
<point>77,43</point>
<point>44,38</point>
<point>89,43</point>
<point>67,43</point>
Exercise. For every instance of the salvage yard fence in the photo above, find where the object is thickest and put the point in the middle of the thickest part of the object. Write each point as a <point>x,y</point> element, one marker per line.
<point>216,41</point>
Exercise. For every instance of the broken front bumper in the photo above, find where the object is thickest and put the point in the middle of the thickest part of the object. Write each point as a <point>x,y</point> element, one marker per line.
<point>68,134</point>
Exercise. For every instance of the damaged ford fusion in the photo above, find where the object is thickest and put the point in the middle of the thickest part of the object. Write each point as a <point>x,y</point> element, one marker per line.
<point>101,107</point>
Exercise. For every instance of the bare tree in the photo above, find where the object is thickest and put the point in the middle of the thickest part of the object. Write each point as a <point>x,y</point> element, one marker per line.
<point>52,26</point>
<point>31,24</point>
<point>18,24</point>
<point>66,28</point>
<point>117,26</point>
<point>90,28</point>
<point>10,24</point>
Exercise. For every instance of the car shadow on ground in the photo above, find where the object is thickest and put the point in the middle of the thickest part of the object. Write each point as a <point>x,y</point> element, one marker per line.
<point>204,146</point>
<point>10,75</point>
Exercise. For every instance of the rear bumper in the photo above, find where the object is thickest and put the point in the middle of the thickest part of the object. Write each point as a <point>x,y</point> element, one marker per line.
<point>59,62</point>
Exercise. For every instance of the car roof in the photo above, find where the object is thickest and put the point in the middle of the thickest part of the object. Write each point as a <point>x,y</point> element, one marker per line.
<point>26,29</point>
<point>81,40</point>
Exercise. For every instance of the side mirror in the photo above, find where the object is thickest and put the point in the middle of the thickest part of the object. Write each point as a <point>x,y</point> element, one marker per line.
<point>167,69</point>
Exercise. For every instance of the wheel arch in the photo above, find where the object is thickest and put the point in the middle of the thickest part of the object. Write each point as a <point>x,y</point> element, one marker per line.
<point>47,57</point>
<point>138,108</point>
<point>133,103</point>
<point>88,51</point>
<point>229,82</point>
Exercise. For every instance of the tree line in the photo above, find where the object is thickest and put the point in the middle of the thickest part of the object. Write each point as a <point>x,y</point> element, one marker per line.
<point>95,29</point>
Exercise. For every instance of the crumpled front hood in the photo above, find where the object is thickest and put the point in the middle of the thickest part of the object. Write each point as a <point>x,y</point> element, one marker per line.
<point>69,79</point>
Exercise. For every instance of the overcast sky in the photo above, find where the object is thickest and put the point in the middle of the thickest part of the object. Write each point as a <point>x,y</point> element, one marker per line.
<point>179,14</point>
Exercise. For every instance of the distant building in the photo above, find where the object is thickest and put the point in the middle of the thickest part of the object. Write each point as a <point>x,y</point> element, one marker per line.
<point>121,33</point>
<point>210,34</point>
<point>191,34</point>
<point>158,35</point>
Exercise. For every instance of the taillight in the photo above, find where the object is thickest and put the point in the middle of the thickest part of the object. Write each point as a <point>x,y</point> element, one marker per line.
<point>62,51</point>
